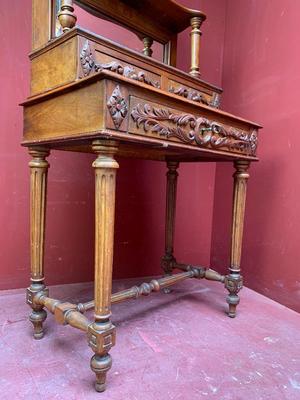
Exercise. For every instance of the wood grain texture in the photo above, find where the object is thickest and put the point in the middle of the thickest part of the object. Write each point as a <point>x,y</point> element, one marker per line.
<point>145,288</point>
<point>105,180</point>
<point>70,114</point>
<point>195,34</point>
<point>160,121</point>
<point>80,111</point>
<point>171,192</point>
<point>241,177</point>
<point>207,273</point>
<point>38,189</point>
<point>170,17</point>
<point>190,92</point>
<point>90,94</point>
<point>41,23</point>
<point>56,67</point>
<point>65,313</point>
<point>234,281</point>
<point>101,334</point>
<point>66,16</point>
<point>102,52</point>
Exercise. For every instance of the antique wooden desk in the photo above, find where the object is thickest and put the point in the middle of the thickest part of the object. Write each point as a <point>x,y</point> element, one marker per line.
<point>89,94</point>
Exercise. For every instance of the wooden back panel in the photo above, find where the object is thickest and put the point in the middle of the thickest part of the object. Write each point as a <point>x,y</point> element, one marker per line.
<point>150,20</point>
<point>41,22</point>
<point>160,20</point>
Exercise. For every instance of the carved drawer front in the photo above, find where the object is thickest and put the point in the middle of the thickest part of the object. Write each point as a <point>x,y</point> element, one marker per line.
<point>209,99</point>
<point>105,62</point>
<point>156,120</point>
<point>95,60</point>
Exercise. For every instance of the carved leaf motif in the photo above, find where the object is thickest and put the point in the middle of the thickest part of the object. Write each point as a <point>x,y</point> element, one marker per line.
<point>190,94</point>
<point>117,106</point>
<point>215,101</point>
<point>128,71</point>
<point>190,129</point>
<point>86,59</point>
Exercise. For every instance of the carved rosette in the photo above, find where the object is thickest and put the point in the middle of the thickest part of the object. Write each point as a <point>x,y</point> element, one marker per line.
<point>86,59</point>
<point>190,129</point>
<point>128,71</point>
<point>117,106</point>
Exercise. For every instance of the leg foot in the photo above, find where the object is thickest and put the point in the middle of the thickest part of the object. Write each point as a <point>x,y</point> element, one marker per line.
<point>233,301</point>
<point>37,318</point>
<point>100,365</point>
<point>101,338</point>
<point>233,284</point>
<point>38,314</point>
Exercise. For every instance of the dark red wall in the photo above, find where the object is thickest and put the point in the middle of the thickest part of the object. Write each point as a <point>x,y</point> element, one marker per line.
<point>140,188</point>
<point>70,184</point>
<point>261,81</point>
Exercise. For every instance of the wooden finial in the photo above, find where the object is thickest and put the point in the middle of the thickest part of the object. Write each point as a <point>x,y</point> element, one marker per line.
<point>66,16</point>
<point>147,51</point>
<point>195,34</point>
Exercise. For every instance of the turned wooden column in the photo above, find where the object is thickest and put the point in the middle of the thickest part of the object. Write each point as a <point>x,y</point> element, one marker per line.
<point>195,34</point>
<point>38,190</point>
<point>234,281</point>
<point>101,334</point>
<point>168,259</point>
<point>147,41</point>
<point>66,16</point>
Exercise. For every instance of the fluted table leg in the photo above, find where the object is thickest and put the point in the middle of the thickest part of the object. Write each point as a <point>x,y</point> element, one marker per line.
<point>168,259</point>
<point>38,190</point>
<point>101,334</point>
<point>234,280</point>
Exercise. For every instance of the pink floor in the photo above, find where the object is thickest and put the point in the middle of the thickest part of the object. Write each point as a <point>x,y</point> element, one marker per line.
<point>175,346</point>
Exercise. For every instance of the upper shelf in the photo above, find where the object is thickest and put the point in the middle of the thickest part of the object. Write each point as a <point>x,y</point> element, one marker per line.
<point>158,19</point>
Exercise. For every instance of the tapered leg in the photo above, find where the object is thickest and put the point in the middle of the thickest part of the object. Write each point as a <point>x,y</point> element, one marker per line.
<point>38,190</point>
<point>234,280</point>
<point>101,334</point>
<point>168,259</point>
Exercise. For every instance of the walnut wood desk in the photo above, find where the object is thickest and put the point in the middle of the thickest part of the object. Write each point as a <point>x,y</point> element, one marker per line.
<point>89,94</point>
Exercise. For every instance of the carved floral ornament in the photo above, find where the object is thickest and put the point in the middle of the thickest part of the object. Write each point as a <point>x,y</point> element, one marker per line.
<point>190,129</point>
<point>189,94</point>
<point>117,106</point>
<point>128,71</point>
<point>195,95</point>
<point>233,284</point>
<point>86,59</point>
<point>88,65</point>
